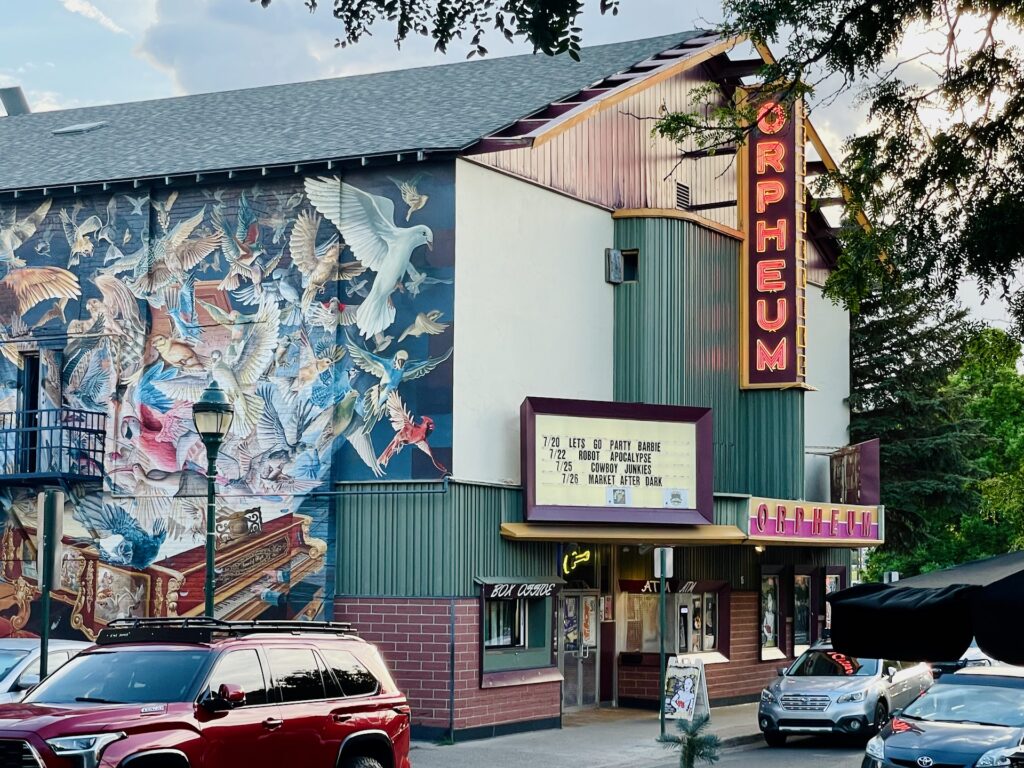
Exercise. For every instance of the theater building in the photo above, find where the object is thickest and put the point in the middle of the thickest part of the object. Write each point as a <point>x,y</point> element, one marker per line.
<point>488,344</point>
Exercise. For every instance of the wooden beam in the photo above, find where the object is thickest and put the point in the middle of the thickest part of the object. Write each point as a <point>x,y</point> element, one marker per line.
<point>696,57</point>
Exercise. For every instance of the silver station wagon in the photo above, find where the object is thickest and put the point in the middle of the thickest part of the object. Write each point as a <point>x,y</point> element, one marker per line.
<point>825,691</point>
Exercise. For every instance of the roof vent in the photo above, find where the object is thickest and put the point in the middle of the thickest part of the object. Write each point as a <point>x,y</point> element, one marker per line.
<point>70,130</point>
<point>682,196</point>
<point>14,101</point>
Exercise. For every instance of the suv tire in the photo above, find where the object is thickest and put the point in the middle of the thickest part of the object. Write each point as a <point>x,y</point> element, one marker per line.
<point>775,739</point>
<point>362,762</point>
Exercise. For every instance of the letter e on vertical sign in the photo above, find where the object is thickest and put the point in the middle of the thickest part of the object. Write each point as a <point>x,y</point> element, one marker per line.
<point>772,199</point>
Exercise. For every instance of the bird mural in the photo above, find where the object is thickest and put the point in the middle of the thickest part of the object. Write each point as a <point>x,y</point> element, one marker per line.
<point>242,248</point>
<point>319,264</point>
<point>132,546</point>
<point>313,363</point>
<point>330,314</point>
<point>390,373</point>
<point>426,323</point>
<point>238,377</point>
<point>26,287</point>
<point>411,196</point>
<point>416,282</point>
<point>78,234</point>
<point>251,290</point>
<point>15,232</point>
<point>367,222</point>
<point>163,210</point>
<point>408,432</point>
<point>159,267</point>
<point>136,203</point>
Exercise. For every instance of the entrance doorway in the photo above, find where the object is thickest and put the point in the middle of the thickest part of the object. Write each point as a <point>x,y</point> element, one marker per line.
<point>579,648</point>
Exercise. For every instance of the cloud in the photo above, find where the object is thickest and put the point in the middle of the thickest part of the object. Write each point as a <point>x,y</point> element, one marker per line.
<point>90,11</point>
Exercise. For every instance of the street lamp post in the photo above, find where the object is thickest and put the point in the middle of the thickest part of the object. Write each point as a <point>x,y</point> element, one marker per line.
<point>212,415</point>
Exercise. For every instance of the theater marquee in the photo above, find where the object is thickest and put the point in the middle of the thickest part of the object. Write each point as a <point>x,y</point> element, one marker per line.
<point>773,273</point>
<point>589,461</point>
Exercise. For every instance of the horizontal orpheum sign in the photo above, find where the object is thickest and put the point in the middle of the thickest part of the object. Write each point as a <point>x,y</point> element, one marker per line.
<point>814,521</point>
<point>588,461</point>
<point>774,264</point>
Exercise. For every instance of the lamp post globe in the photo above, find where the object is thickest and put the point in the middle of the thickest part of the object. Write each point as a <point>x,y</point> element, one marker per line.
<point>212,415</point>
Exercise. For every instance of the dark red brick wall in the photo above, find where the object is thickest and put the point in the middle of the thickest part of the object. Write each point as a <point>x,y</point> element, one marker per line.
<point>414,637</point>
<point>742,677</point>
<point>476,706</point>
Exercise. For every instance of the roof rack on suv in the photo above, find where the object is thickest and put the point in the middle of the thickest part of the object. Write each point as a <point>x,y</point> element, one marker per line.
<point>201,629</point>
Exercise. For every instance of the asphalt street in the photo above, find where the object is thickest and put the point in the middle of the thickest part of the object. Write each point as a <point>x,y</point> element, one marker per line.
<point>798,753</point>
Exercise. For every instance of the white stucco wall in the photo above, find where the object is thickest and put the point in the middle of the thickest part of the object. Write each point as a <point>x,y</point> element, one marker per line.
<point>827,416</point>
<point>533,314</point>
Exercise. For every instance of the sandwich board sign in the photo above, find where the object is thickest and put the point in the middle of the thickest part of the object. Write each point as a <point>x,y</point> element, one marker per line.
<point>686,690</point>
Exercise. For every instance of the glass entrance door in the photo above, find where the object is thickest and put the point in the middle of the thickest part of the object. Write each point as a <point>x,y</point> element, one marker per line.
<point>578,639</point>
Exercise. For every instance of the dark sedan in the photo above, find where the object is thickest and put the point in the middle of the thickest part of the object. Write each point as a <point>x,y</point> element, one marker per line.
<point>971,719</point>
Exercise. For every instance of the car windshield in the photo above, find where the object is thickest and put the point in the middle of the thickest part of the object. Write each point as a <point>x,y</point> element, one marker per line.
<point>124,677</point>
<point>832,664</point>
<point>9,658</point>
<point>987,704</point>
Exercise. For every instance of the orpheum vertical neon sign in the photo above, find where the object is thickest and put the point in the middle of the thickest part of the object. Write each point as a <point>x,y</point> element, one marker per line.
<point>774,269</point>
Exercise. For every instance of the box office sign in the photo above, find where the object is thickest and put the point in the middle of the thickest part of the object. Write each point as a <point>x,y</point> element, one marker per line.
<point>774,260</point>
<point>517,591</point>
<point>588,461</point>
<point>814,522</point>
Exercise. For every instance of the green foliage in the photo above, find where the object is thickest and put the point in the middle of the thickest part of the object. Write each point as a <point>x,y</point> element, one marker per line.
<point>549,25</point>
<point>905,343</point>
<point>983,395</point>
<point>695,744</point>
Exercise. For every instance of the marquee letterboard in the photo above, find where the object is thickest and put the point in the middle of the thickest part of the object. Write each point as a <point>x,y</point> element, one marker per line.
<point>593,461</point>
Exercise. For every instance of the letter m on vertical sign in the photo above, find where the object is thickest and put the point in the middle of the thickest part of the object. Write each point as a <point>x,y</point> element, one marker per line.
<point>773,269</point>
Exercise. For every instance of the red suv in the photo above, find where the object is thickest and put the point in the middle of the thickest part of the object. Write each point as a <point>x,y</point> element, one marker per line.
<point>191,693</point>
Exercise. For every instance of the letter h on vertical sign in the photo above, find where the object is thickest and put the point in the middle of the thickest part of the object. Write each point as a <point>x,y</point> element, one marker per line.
<point>773,272</point>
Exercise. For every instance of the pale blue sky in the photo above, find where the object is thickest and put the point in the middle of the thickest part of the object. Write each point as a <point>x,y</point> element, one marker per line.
<point>70,53</point>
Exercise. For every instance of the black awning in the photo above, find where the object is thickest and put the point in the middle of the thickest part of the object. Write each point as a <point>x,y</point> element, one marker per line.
<point>933,617</point>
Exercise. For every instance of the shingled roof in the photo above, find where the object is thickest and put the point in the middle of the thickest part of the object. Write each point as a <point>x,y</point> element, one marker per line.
<point>433,109</point>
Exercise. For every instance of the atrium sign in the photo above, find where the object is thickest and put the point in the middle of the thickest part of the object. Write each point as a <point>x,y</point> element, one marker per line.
<point>774,273</point>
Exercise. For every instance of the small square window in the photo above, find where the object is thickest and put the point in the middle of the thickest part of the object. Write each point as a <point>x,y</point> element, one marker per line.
<point>505,623</point>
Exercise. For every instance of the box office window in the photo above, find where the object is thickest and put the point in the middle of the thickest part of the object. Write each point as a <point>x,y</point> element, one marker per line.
<point>517,626</point>
<point>505,623</point>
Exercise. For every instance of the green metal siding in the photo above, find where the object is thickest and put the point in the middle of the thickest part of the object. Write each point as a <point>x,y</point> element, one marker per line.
<point>677,343</point>
<point>393,543</point>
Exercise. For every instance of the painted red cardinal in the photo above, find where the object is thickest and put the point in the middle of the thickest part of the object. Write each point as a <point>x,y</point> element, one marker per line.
<point>407,432</point>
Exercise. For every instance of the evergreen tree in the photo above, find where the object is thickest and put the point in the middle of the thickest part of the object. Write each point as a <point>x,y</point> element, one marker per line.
<point>905,343</point>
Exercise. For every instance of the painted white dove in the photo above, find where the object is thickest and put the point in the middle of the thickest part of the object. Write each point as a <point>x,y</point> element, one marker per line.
<point>367,222</point>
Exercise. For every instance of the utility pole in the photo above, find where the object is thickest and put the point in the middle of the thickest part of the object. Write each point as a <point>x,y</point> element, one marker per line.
<point>47,544</point>
<point>662,570</point>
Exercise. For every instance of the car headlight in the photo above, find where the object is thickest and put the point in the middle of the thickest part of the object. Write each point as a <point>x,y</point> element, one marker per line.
<point>89,747</point>
<point>855,696</point>
<point>767,697</point>
<point>996,757</point>
<point>876,748</point>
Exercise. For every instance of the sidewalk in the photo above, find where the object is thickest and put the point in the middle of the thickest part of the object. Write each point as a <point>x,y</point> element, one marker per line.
<point>603,738</point>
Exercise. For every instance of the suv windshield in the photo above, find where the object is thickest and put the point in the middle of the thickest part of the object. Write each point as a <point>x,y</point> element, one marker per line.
<point>832,664</point>
<point>987,704</point>
<point>124,677</point>
<point>9,658</point>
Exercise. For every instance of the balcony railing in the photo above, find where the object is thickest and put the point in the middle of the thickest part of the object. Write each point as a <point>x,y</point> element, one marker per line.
<point>52,444</point>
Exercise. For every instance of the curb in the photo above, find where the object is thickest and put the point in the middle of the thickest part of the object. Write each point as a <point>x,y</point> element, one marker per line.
<point>741,741</point>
